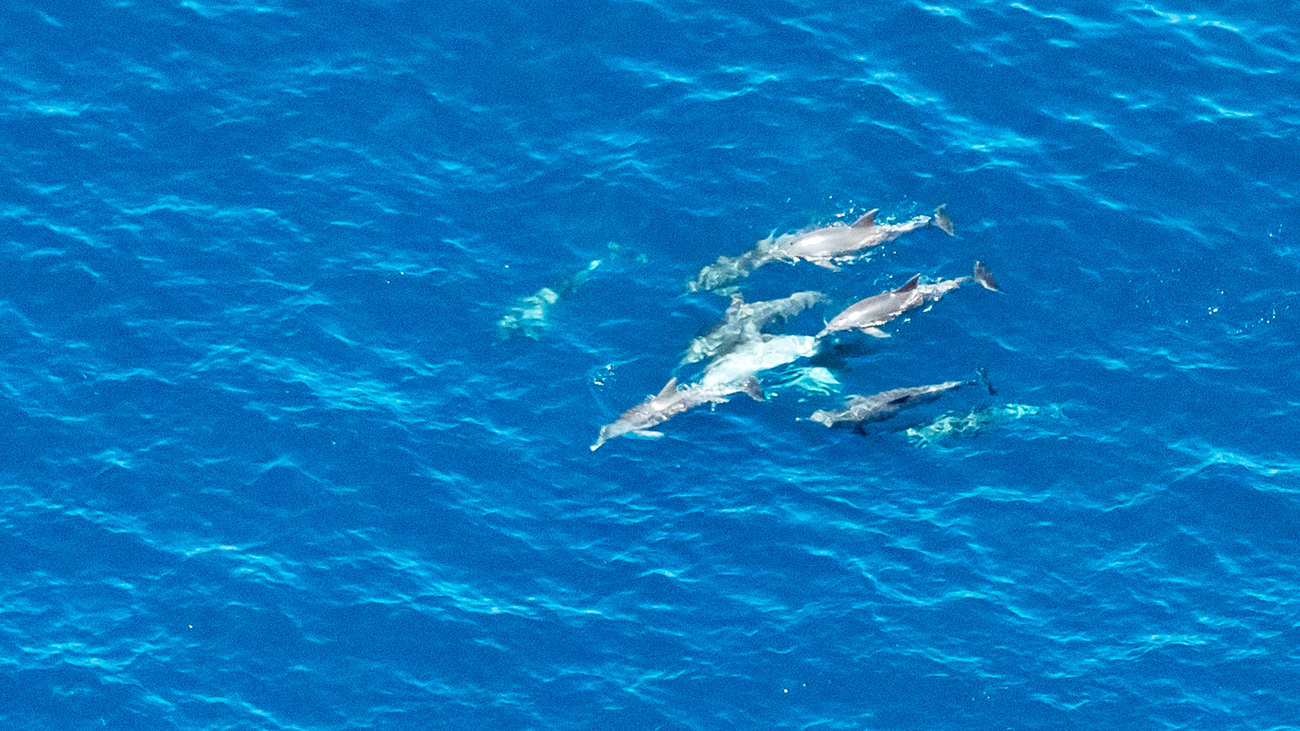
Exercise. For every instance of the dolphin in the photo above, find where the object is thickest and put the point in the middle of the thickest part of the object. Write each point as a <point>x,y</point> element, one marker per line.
<point>953,424</point>
<point>669,402</point>
<point>827,247</point>
<point>754,356</point>
<point>860,409</point>
<point>529,314</point>
<point>868,314</point>
<point>743,322</point>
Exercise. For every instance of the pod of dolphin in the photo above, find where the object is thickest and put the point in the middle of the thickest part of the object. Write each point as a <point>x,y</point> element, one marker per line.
<point>737,349</point>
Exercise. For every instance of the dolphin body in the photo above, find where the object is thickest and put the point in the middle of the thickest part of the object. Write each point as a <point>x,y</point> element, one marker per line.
<point>669,402</point>
<point>868,314</point>
<point>743,322</point>
<point>957,425</point>
<point>826,247</point>
<point>753,356</point>
<point>881,406</point>
<point>529,315</point>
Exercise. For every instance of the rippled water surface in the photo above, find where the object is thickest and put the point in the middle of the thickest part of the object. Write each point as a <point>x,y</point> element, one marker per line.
<point>305,344</point>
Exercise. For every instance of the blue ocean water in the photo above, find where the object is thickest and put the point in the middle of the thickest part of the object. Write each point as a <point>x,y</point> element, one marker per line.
<point>272,461</point>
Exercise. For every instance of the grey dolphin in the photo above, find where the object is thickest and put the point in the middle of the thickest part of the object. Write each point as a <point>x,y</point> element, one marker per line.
<point>880,406</point>
<point>828,246</point>
<point>868,314</point>
<point>744,321</point>
<point>669,402</point>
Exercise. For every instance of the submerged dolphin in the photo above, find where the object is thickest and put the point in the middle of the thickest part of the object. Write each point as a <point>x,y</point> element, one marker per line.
<point>754,356</point>
<point>529,314</point>
<point>868,314</point>
<point>669,402</point>
<point>859,409</point>
<point>744,322</point>
<point>952,424</point>
<point>728,269</point>
<point>828,247</point>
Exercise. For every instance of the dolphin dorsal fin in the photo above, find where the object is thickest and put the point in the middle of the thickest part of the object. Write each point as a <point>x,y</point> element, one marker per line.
<point>911,284</point>
<point>868,219</point>
<point>669,388</point>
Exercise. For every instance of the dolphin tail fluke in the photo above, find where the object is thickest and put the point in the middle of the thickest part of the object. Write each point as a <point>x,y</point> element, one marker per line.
<point>983,380</point>
<point>725,270</point>
<point>753,389</point>
<point>985,278</point>
<point>941,219</point>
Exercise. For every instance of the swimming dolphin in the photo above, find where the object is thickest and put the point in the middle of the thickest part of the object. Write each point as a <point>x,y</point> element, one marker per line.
<point>859,409</point>
<point>529,314</point>
<point>868,314</point>
<point>754,356</point>
<point>953,424</point>
<point>743,322</point>
<point>669,402</point>
<point>827,247</point>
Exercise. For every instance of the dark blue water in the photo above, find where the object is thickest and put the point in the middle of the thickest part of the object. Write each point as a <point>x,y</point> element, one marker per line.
<point>268,463</point>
